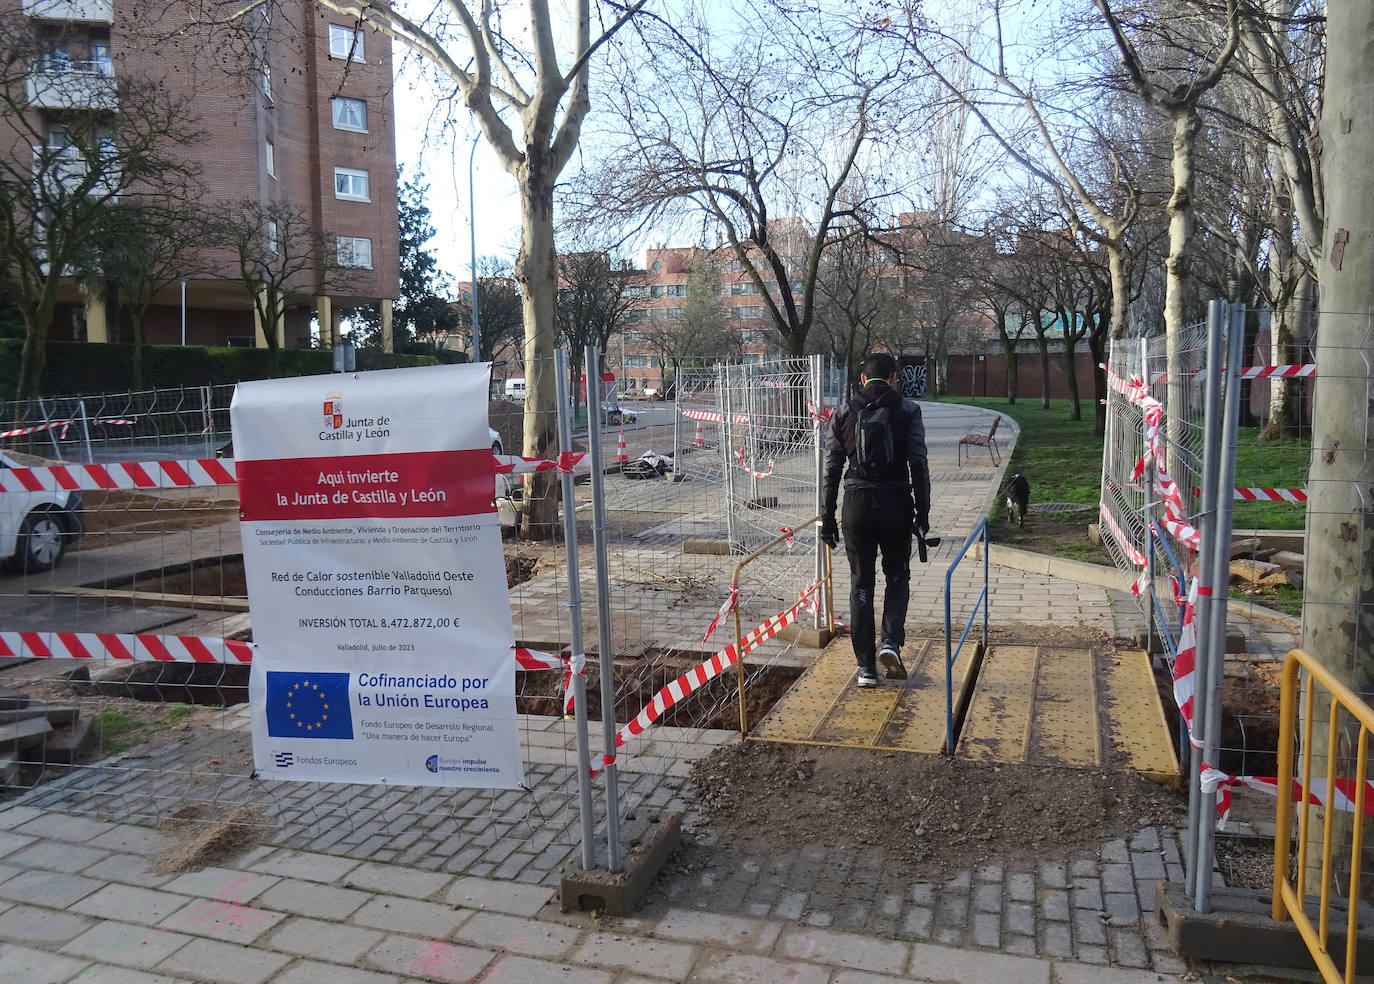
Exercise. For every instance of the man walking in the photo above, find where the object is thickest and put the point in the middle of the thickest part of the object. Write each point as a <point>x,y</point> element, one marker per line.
<point>886,498</point>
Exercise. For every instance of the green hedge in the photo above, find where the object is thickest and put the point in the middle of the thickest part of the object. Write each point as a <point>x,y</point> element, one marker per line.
<point>80,368</point>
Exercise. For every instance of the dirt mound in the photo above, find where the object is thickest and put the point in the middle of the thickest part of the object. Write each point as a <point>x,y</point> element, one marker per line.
<point>929,813</point>
<point>202,842</point>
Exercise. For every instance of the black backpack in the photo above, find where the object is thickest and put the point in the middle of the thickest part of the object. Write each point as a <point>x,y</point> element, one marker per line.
<point>879,454</point>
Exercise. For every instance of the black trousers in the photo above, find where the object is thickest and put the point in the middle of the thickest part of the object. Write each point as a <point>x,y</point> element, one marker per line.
<point>877,521</point>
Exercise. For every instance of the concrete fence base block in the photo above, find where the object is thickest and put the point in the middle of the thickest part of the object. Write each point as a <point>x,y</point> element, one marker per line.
<point>719,548</point>
<point>806,636</point>
<point>650,843</point>
<point>1240,929</point>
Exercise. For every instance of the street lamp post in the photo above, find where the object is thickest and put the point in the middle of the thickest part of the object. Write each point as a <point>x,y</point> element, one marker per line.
<point>472,234</point>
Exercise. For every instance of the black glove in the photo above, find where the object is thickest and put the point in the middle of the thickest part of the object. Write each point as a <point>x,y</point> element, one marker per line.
<point>830,533</point>
<point>920,519</point>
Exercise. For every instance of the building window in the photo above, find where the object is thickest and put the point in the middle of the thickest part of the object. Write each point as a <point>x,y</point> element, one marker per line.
<point>271,159</point>
<point>349,114</point>
<point>345,42</point>
<point>637,314</point>
<point>351,184</point>
<point>677,290</point>
<point>635,291</point>
<point>675,314</point>
<point>747,312</point>
<point>636,362</point>
<point>355,251</point>
<point>101,62</point>
<point>743,287</point>
<point>60,144</point>
<point>658,265</point>
<point>736,266</point>
<point>656,290</point>
<point>271,236</point>
<point>267,82</point>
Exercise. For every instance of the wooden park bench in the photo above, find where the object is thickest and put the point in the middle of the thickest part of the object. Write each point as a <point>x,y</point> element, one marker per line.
<point>988,440</point>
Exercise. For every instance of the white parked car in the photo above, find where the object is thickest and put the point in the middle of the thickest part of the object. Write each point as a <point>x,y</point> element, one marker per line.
<point>37,527</point>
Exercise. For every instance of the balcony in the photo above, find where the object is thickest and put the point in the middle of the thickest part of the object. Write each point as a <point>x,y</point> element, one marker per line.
<point>60,174</point>
<point>62,84</point>
<point>83,11</point>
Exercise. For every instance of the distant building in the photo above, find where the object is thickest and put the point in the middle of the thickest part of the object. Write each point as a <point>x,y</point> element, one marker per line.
<point>297,109</point>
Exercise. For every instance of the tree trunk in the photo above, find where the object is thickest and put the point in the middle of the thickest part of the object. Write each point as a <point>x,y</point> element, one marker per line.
<point>1120,275</point>
<point>1043,342</point>
<point>1097,346</point>
<point>1338,601</point>
<point>34,356</point>
<point>1178,277</point>
<point>536,272</point>
<point>1070,353</point>
<point>1285,395</point>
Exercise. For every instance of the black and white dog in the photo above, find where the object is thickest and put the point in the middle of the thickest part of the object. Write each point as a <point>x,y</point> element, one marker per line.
<point>1018,499</point>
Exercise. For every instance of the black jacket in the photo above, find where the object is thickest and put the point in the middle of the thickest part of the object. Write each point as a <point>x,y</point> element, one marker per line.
<point>840,447</point>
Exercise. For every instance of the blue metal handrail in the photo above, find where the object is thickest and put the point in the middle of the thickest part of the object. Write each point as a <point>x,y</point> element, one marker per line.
<point>952,652</point>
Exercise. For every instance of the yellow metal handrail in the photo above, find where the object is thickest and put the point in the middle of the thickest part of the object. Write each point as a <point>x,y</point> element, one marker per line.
<point>739,630</point>
<point>1288,897</point>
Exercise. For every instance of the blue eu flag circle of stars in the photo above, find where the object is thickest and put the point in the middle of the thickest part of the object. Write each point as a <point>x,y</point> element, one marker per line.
<point>313,695</point>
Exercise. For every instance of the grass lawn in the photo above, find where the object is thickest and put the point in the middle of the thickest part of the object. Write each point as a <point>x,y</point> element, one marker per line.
<point>1062,460</point>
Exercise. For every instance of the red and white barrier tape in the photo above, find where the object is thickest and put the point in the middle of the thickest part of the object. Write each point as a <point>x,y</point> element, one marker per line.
<point>749,471</point>
<point>185,473</point>
<point>1123,541</point>
<point>102,645</point>
<point>509,464</point>
<point>823,415</point>
<point>699,676</point>
<point>1174,520</point>
<point>714,415</point>
<point>1280,372</point>
<point>21,431</point>
<point>725,609</point>
<point>1271,495</point>
<point>115,421</point>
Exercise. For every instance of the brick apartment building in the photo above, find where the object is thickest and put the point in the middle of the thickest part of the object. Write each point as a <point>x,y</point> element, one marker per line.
<point>295,108</point>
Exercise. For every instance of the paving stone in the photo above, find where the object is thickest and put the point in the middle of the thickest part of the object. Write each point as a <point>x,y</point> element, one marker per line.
<point>1121,907</point>
<point>105,974</point>
<point>1128,949</point>
<point>394,880</point>
<point>221,884</point>
<point>987,898</point>
<point>304,898</point>
<point>1021,887</point>
<point>987,930</point>
<point>1021,946</point>
<point>310,972</point>
<point>922,893</point>
<point>1083,868</point>
<point>511,969</point>
<point>431,959</point>
<point>323,940</point>
<point>1019,918</point>
<point>304,864</point>
<point>952,909</point>
<point>1054,874</point>
<point>1114,852</point>
<point>29,924</point>
<point>516,934</point>
<point>228,921</point>
<point>146,906</point>
<point>55,889</point>
<point>659,958</point>
<point>1070,974</point>
<point>410,916</point>
<point>1147,864</point>
<point>1117,878</point>
<point>1087,894</point>
<point>844,950</point>
<point>483,893</point>
<point>723,967</point>
<point>938,963</point>
<point>16,816</point>
<point>1146,840</point>
<point>963,880</point>
<point>55,856</point>
<point>126,944</point>
<point>1058,941</point>
<point>126,838</point>
<point>696,927</point>
<point>791,906</point>
<point>1088,928</point>
<point>819,918</point>
<point>19,963</point>
<point>129,870</point>
<point>1091,954</point>
<point>214,961</point>
<point>1054,905</point>
<point>63,827</point>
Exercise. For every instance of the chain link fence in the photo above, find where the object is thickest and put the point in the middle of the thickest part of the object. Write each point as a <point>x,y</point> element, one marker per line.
<point>165,736</point>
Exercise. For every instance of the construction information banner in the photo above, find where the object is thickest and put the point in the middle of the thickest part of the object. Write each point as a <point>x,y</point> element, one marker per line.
<point>376,580</point>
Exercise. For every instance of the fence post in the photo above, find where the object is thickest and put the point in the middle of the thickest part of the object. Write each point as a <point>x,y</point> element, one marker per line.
<point>1148,507</point>
<point>677,406</point>
<point>1209,544</point>
<point>43,409</point>
<point>1216,659</point>
<point>817,387</point>
<point>727,418</point>
<point>85,431</point>
<point>603,623</point>
<point>579,680</point>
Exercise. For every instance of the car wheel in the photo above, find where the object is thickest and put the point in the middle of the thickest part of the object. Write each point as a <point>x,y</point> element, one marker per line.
<point>42,541</point>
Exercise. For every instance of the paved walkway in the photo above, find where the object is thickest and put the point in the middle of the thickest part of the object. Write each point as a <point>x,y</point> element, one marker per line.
<point>80,901</point>
<point>372,884</point>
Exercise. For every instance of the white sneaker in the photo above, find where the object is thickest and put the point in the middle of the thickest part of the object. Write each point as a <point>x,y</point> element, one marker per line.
<point>867,677</point>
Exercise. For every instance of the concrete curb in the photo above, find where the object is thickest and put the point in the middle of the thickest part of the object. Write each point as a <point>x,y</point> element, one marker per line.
<point>1068,570</point>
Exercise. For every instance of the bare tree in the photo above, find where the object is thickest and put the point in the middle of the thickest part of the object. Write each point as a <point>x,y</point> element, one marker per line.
<point>57,180</point>
<point>594,301</point>
<point>494,66</point>
<point>281,256</point>
<point>140,248</point>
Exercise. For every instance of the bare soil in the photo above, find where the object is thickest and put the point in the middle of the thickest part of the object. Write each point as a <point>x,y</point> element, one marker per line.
<point>929,815</point>
<point>1059,534</point>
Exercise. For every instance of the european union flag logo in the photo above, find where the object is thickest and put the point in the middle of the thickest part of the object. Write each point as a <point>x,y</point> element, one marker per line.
<point>308,705</point>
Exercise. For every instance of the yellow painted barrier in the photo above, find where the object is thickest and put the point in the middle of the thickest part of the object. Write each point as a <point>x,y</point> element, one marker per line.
<point>1290,896</point>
